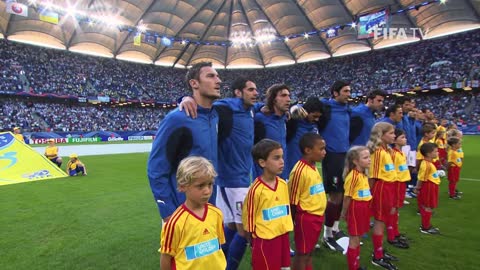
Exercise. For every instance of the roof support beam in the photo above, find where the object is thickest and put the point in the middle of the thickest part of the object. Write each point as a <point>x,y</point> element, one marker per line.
<point>225,63</point>
<point>203,35</point>
<point>159,52</point>
<point>304,14</point>
<point>251,28</point>
<point>271,23</point>
<point>7,27</point>
<point>136,22</point>
<point>475,11</point>
<point>407,14</point>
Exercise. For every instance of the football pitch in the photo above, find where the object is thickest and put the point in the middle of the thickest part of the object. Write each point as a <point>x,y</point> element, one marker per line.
<point>108,220</point>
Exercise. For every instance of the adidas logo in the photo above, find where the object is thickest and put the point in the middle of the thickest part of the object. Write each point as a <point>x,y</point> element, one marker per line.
<point>205,232</point>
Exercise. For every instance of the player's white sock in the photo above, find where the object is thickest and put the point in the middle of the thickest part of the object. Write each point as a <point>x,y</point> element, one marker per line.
<point>335,226</point>
<point>327,232</point>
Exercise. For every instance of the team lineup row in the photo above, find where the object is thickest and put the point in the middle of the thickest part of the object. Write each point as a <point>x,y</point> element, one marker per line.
<point>224,132</point>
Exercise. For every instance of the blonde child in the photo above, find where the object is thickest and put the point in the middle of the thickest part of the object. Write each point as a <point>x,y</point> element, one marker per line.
<point>427,187</point>
<point>403,176</point>
<point>356,201</point>
<point>455,162</point>
<point>307,199</point>
<point>266,210</point>
<point>75,166</point>
<point>51,152</point>
<point>193,235</point>
<point>382,182</point>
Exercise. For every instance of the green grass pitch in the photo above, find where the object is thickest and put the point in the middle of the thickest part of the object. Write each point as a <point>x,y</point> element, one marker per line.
<point>108,220</point>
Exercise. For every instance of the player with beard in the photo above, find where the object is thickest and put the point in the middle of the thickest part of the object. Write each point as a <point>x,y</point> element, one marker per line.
<point>363,117</point>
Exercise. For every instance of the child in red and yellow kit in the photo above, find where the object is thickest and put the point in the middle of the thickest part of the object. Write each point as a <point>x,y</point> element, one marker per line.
<point>307,199</point>
<point>356,201</point>
<point>403,176</point>
<point>455,161</point>
<point>382,183</point>
<point>427,187</point>
<point>266,210</point>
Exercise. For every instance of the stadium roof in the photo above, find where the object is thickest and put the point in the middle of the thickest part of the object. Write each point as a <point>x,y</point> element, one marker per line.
<point>104,27</point>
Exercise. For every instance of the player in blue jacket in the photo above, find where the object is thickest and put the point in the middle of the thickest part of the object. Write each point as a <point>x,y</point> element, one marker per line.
<point>272,125</point>
<point>179,136</point>
<point>334,126</point>
<point>298,125</point>
<point>235,141</point>
<point>363,117</point>
<point>393,115</point>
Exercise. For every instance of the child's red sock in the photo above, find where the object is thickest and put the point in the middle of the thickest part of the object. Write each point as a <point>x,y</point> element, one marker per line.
<point>395,225</point>
<point>357,258</point>
<point>426,217</point>
<point>352,258</point>
<point>390,229</point>
<point>451,188</point>
<point>378,246</point>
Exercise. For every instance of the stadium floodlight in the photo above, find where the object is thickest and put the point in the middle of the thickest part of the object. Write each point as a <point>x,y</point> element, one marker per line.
<point>467,88</point>
<point>286,39</point>
<point>443,1</point>
<point>142,28</point>
<point>447,89</point>
<point>353,25</point>
<point>306,35</point>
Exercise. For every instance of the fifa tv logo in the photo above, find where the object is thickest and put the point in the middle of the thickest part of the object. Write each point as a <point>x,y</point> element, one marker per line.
<point>399,33</point>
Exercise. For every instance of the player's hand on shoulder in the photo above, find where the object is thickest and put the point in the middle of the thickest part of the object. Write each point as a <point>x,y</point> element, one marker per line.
<point>188,105</point>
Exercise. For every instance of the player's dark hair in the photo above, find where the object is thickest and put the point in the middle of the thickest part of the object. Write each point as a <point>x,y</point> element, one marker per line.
<point>240,83</point>
<point>313,104</point>
<point>427,148</point>
<point>263,148</point>
<point>378,92</point>
<point>308,141</point>
<point>392,109</point>
<point>401,100</point>
<point>194,73</point>
<point>337,86</point>
<point>272,93</point>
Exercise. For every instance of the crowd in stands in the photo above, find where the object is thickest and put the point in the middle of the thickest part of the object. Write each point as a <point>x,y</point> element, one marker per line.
<point>459,108</point>
<point>38,70</point>
<point>57,117</point>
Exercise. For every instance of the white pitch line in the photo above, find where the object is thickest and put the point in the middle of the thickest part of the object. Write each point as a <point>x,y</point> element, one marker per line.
<point>470,179</point>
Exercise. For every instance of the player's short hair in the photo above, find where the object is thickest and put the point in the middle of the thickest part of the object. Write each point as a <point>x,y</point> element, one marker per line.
<point>194,73</point>
<point>272,93</point>
<point>313,104</point>
<point>192,168</point>
<point>392,109</point>
<point>427,148</point>
<point>240,83</point>
<point>452,141</point>
<point>427,128</point>
<point>263,148</point>
<point>337,86</point>
<point>401,100</point>
<point>377,92</point>
<point>308,140</point>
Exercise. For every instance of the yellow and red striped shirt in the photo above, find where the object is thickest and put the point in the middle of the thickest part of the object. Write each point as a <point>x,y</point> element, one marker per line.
<point>455,157</point>
<point>400,161</point>
<point>428,172</point>
<point>266,210</point>
<point>356,186</point>
<point>194,242</point>
<point>306,188</point>
<point>382,166</point>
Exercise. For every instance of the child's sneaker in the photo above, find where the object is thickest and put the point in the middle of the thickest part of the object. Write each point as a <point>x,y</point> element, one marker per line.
<point>398,243</point>
<point>456,197</point>
<point>430,230</point>
<point>382,262</point>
